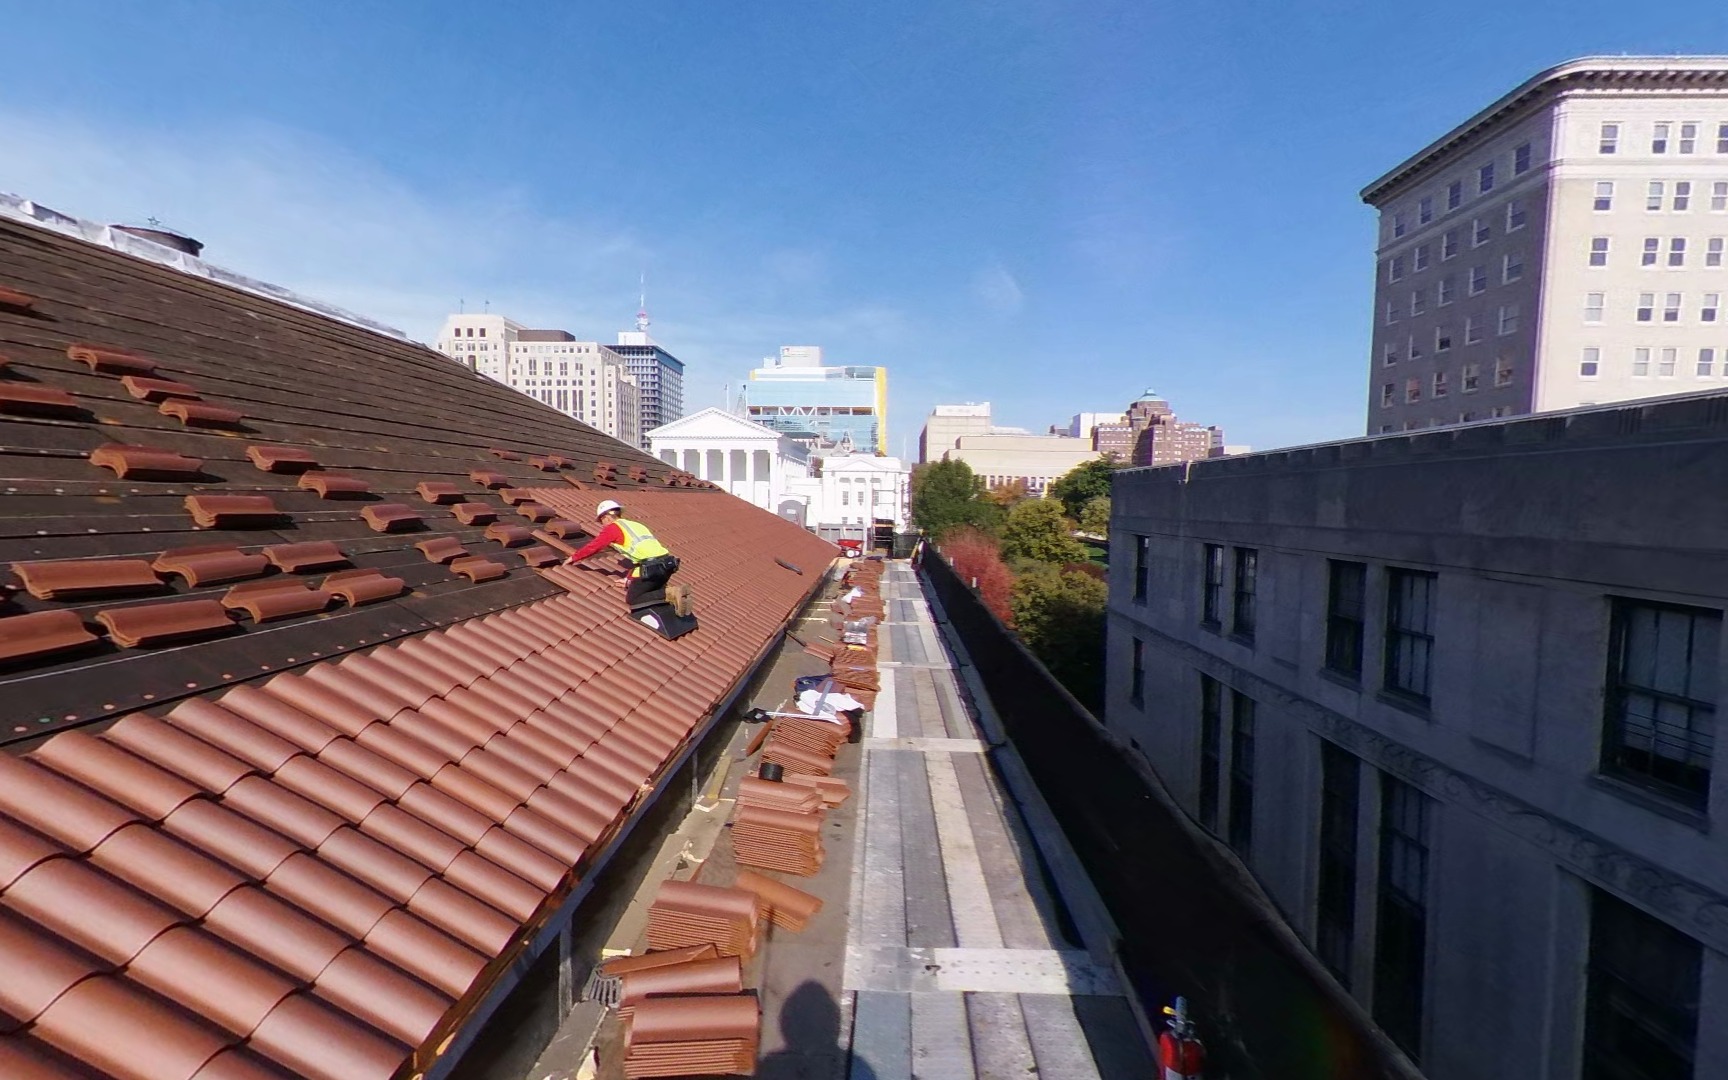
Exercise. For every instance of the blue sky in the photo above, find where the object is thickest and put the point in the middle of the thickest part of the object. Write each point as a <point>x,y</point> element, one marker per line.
<point>1048,205</point>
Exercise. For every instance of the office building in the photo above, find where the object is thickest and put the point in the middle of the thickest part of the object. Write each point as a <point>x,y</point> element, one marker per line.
<point>1564,246</point>
<point>999,455</point>
<point>823,407</point>
<point>1150,434</point>
<point>657,373</point>
<point>1452,698</point>
<point>584,380</point>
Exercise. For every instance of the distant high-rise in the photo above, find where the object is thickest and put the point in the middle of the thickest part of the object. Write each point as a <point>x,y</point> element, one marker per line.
<point>1562,247</point>
<point>657,373</point>
<point>584,380</point>
<point>1150,434</point>
<point>818,405</point>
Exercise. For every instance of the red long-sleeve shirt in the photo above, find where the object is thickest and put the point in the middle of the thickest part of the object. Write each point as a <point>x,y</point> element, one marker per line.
<point>611,534</point>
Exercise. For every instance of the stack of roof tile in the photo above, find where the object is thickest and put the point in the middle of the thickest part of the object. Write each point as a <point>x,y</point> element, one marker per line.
<point>788,908</point>
<point>716,975</point>
<point>692,1036</point>
<point>605,982</point>
<point>685,913</point>
<point>778,796</point>
<point>813,734</point>
<point>778,839</point>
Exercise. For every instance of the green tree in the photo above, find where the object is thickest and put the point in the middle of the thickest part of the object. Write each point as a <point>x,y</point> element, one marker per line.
<point>1095,516</point>
<point>1037,531</point>
<point>1087,480</point>
<point>1059,614</point>
<point>946,495</point>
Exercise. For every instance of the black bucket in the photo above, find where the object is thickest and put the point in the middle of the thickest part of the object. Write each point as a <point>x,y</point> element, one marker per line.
<point>769,770</point>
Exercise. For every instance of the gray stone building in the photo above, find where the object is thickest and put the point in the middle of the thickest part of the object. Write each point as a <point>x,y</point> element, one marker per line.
<point>1451,696</point>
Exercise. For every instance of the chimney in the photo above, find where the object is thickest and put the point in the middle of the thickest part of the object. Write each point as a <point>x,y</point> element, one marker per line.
<point>165,237</point>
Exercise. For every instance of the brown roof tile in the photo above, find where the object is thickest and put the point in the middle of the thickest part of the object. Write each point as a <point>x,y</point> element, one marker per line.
<point>16,300</point>
<point>298,558</point>
<point>473,513</point>
<point>331,485</point>
<point>20,399</point>
<point>200,413</point>
<point>156,390</point>
<point>74,578</point>
<point>145,463</point>
<point>368,586</point>
<point>281,459</point>
<point>110,361</point>
<point>159,624</point>
<point>42,633</point>
<point>231,511</point>
<point>209,565</point>
<point>390,517</point>
<point>438,492</point>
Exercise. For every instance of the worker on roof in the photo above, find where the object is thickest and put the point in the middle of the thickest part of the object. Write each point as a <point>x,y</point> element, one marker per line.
<point>651,565</point>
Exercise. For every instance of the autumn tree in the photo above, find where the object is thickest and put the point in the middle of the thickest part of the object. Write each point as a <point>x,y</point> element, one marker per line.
<point>1085,481</point>
<point>1037,531</point>
<point>1095,516</point>
<point>947,495</point>
<point>978,562</point>
<point>1007,493</point>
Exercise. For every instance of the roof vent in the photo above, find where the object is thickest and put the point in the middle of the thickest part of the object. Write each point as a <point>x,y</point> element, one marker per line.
<point>168,238</point>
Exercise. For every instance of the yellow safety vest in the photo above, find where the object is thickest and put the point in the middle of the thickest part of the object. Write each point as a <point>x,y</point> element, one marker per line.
<point>639,544</point>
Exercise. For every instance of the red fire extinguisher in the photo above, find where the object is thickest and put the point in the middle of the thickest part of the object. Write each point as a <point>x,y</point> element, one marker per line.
<point>1180,1053</point>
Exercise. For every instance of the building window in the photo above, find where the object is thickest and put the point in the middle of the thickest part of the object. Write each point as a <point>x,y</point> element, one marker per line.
<point>1676,251</point>
<point>1409,632</point>
<point>1665,366</point>
<point>1391,312</point>
<point>1646,307</point>
<point>1446,291</point>
<point>1609,141</point>
<point>1335,902</point>
<point>1478,280</point>
<point>1142,567</point>
<point>1418,302</point>
<point>1503,372</point>
<point>1448,244</point>
<point>1420,258</point>
<point>1722,138</point>
<point>1243,595</point>
<point>1399,225</point>
<point>1211,749</point>
<point>1485,179</point>
<point>1652,251</point>
<point>1472,378</point>
<point>1707,310</point>
<point>1521,159</point>
<point>1425,210</point>
<point>1472,330</point>
<point>1671,307</point>
<point>1653,197</point>
<point>1239,830</point>
<point>1402,925</point>
<point>1439,388</point>
<point>1682,195</point>
<point>1659,138</point>
<point>1480,232</point>
<point>1509,314</point>
<point>1604,195</point>
<point>1515,215</point>
<point>1641,1011</point>
<point>1719,195</point>
<point>1412,391</point>
<point>1688,138</point>
<point>1640,361</point>
<point>1455,194</point>
<point>1395,269</point>
<point>1713,251</point>
<point>1442,339</point>
<point>1511,267</point>
<point>1591,365</point>
<point>1388,393</point>
<point>1390,354</point>
<point>1599,251</point>
<point>1593,304</point>
<point>1706,361</point>
<point>1137,676</point>
<point>1660,728</point>
<point>1346,605</point>
<point>1212,590</point>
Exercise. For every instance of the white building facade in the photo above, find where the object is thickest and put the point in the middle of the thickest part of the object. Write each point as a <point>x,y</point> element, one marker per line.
<point>999,455</point>
<point>1563,247</point>
<point>584,380</point>
<point>1452,697</point>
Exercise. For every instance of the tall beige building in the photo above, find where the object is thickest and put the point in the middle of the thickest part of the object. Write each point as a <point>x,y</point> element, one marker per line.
<point>999,455</point>
<point>584,380</point>
<point>1562,247</point>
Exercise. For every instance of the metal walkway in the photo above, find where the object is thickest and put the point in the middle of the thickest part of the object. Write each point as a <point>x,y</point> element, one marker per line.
<point>964,958</point>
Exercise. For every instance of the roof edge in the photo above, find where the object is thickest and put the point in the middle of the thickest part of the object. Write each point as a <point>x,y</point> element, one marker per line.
<point>1586,67</point>
<point>29,212</point>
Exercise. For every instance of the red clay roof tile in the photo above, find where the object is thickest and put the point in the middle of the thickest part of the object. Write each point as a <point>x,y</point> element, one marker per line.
<point>331,485</point>
<point>438,492</point>
<point>127,1032</point>
<point>160,624</point>
<point>488,478</point>
<point>156,390</point>
<point>42,633</point>
<point>232,511</point>
<point>215,980</point>
<point>90,909</point>
<point>281,459</point>
<point>477,569</point>
<point>267,601</point>
<point>390,517</point>
<point>17,301</point>
<point>73,578</point>
<point>510,535</point>
<point>473,513</point>
<point>441,549</point>
<point>110,361</point>
<point>299,558</point>
<point>203,566</point>
<point>101,766</point>
<point>232,837</point>
<point>145,463</point>
<point>319,1043</point>
<point>200,413</point>
<point>40,966</point>
<point>383,997</point>
<point>19,399</point>
<point>190,881</point>
<point>266,926</point>
<point>367,586</point>
<point>192,758</point>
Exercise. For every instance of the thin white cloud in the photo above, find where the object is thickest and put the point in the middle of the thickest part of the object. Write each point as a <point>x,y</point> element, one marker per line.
<point>995,288</point>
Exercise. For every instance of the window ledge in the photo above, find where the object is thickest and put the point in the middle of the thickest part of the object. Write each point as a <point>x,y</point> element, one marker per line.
<point>1651,801</point>
<point>1244,640</point>
<point>1340,679</point>
<point>1211,627</point>
<point>1416,707</point>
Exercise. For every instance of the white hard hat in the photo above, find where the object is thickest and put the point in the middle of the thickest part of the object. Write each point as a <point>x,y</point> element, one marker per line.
<point>605,508</point>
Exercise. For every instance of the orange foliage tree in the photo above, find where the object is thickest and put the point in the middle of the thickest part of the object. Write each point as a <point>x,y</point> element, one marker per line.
<point>976,558</point>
